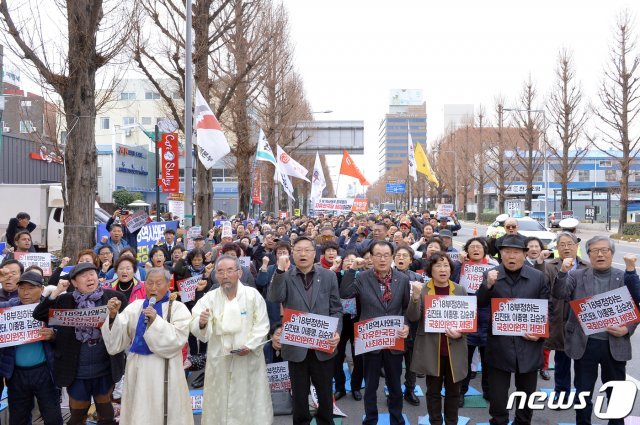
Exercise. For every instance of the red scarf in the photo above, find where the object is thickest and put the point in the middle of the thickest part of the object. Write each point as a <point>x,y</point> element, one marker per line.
<point>386,281</point>
<point>324,263</point>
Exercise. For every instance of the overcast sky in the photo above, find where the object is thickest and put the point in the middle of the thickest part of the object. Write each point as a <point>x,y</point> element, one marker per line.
<point>351,53</point>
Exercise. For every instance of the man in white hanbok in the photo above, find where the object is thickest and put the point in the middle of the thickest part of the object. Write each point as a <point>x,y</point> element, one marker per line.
<point>233,320</point>
<point>154,361</point>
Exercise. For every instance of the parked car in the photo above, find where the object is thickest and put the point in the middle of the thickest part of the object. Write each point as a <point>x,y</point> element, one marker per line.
<point>530,227</point>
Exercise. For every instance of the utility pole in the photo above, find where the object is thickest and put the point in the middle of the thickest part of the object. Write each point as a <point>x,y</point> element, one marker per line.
<point>188,121</point>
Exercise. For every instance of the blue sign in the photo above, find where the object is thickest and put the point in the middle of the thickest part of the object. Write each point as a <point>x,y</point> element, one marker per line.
<point>396,187</point>
<point>148,236</point>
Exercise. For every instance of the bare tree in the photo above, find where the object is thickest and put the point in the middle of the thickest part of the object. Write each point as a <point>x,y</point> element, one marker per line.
<point>620,107</point>
<point>527,153</point>
<point>568,118</point>
<point>499,168</point>
<point>95,32</point>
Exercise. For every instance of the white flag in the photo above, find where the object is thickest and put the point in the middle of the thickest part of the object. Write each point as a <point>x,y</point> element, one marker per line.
<point>284,179</point>
<point>291,166</point>
<point>264,152</point>
<point>212,144</point>
<point>318,183</point>
<point>411,156</point>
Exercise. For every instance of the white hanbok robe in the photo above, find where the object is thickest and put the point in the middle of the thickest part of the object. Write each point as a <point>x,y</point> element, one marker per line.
<point>143,393</point>
<point>236,388</point>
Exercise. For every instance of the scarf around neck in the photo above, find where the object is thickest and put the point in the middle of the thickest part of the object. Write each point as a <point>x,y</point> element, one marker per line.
<point>85,333</point>
<point>139,345</point>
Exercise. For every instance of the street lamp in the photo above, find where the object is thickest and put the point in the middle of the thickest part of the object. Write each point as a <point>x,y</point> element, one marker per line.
<point>545,165</point>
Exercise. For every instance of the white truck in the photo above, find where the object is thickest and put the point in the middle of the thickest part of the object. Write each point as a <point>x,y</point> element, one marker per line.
<point>44,203</point>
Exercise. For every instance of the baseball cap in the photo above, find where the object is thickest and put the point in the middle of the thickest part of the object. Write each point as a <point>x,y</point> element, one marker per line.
<point>80,268</point>
<point>31,277</point>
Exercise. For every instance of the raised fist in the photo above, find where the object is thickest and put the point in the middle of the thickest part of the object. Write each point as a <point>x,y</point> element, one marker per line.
<point>492,276</point>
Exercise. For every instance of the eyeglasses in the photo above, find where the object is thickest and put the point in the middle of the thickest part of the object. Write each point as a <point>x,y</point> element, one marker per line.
<point>510,227</point>
<point>400,255</point>
<point>304,251</point>
<point>596,251</point>
<point>566,245</point>
<point>381,256</point>
<point>226,272</point>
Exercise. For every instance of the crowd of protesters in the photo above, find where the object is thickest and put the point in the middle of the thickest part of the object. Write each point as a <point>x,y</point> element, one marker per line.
<point>351,267</point>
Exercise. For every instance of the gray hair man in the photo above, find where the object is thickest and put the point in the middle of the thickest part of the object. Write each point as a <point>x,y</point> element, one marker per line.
<point>609,349</point>
<point>233,320</point>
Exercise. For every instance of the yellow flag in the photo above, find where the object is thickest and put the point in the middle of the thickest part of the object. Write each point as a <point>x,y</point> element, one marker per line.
<point>423,165</point>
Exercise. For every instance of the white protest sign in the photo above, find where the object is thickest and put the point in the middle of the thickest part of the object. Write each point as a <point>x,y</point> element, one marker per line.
<point>192,232</point>
<point>611,308</point>
<point>454,256</point>
<point>245,261</point>
<point>444,209</point>
<point>520,316</point>
<point>378,333</point>
<point>83,317</point>
<point>188,287</point>
<point>308,330</point>
<point>136,220</point>
<point>40,259</point>
<point>455,312</point>
<point>278,375</point>
<point>227,232</point>
<point>17,326</point>
<point>471,276</point>
<point>176,208</point>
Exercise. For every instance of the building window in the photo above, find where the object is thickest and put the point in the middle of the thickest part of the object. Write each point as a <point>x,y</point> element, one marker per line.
<point>128,120</point>
<point>538,176</point>
<point>611,175</point>
<point>584,175</point>
<point>127,96</point>
<point>150,95</point>
<point>605,164</point>
<point>104,123</point>
<point>99,171</point>
<point>27,127</point>
<point>146,120</point>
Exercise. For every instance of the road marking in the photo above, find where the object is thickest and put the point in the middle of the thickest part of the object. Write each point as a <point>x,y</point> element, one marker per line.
<point>634,380</point>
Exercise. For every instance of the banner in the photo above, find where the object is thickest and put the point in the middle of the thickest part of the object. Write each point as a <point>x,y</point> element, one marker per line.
<point>136,220</point>
<point>256,189</point>
<point>188,288</point>
<point>148,236</point>
<point>455,312</point>
<point>290,166</point>
<point>40,259</point>
<point>519,316</point>
<point>169,180</point>
<point>378,333</point>
<point>17,326</point>
<point>444,210</point>
<point>471,276</point>
<point>308,330</point>
<point>340,205</point>
<point>84,317</point>
<point>611,308</point>
<point>278,376</point>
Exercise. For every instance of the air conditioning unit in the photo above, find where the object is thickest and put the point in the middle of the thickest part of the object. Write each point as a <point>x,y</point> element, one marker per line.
<point>6,129</point>
<point>127,132</point>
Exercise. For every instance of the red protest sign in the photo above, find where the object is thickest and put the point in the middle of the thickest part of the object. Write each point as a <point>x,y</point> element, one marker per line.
<point>169,180</point>
<point>458,313</point>
<point>378,334</point>
<point>611,308</point>
<point>308,330</point>
<point>17,326</point>
<point>188,287</point>
<point>520,316</point>
<point>86,317</point>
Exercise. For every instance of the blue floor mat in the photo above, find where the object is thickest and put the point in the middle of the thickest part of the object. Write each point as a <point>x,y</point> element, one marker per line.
<point>417,391</point>
<point>424,420</point>
<point>384,419</point>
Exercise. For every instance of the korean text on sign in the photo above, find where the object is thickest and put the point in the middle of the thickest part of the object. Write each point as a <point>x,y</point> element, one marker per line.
<point>84,317</point>
<point>471,276</point>
<point>612,308</point>
<point>278,376</point>
<point>378,333</point>
<point>458,313</point>
<point>40,259</point>
<point>17,326</point>
<point>520,316</point>
<point>308,330</point>
<point>188,287</point>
